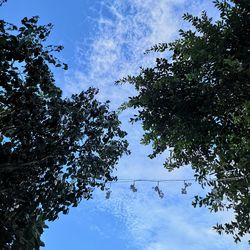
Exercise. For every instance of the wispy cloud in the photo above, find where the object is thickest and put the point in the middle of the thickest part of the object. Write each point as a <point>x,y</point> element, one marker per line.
<point>165,224</point>
<point>124,30</point>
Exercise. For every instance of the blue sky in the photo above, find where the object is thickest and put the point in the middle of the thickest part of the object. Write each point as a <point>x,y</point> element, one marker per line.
<point>104,41</point>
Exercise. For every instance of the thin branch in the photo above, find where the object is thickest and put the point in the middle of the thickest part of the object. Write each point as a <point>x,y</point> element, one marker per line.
<point>11,166</point>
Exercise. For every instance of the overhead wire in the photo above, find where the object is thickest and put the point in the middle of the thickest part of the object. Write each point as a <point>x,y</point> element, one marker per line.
<point>177,180</point>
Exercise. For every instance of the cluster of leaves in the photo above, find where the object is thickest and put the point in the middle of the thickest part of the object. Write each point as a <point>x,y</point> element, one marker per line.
<point>197,102</point>
<point>54,151</point>
<point>2,2</point>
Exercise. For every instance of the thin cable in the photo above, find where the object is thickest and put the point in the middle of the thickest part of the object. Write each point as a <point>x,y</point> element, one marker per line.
<point>176,180</point>
<point>155,180</point>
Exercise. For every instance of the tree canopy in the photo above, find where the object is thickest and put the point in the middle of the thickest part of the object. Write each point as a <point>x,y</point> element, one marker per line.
<point>196,101</point>
<point>54,151</point>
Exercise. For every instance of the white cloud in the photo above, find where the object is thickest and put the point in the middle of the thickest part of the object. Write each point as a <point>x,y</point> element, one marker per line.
<point>170,223</point>
<point>122,31</point>
<point>125,29</point>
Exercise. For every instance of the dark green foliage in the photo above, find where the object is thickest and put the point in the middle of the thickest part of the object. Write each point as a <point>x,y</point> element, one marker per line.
<point>2,2</point>
<point>198,103</point>
<point>53,151</point>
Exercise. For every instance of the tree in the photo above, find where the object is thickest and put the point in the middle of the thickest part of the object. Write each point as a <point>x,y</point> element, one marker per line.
<point>197,103</point>
<point>54,151</point>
